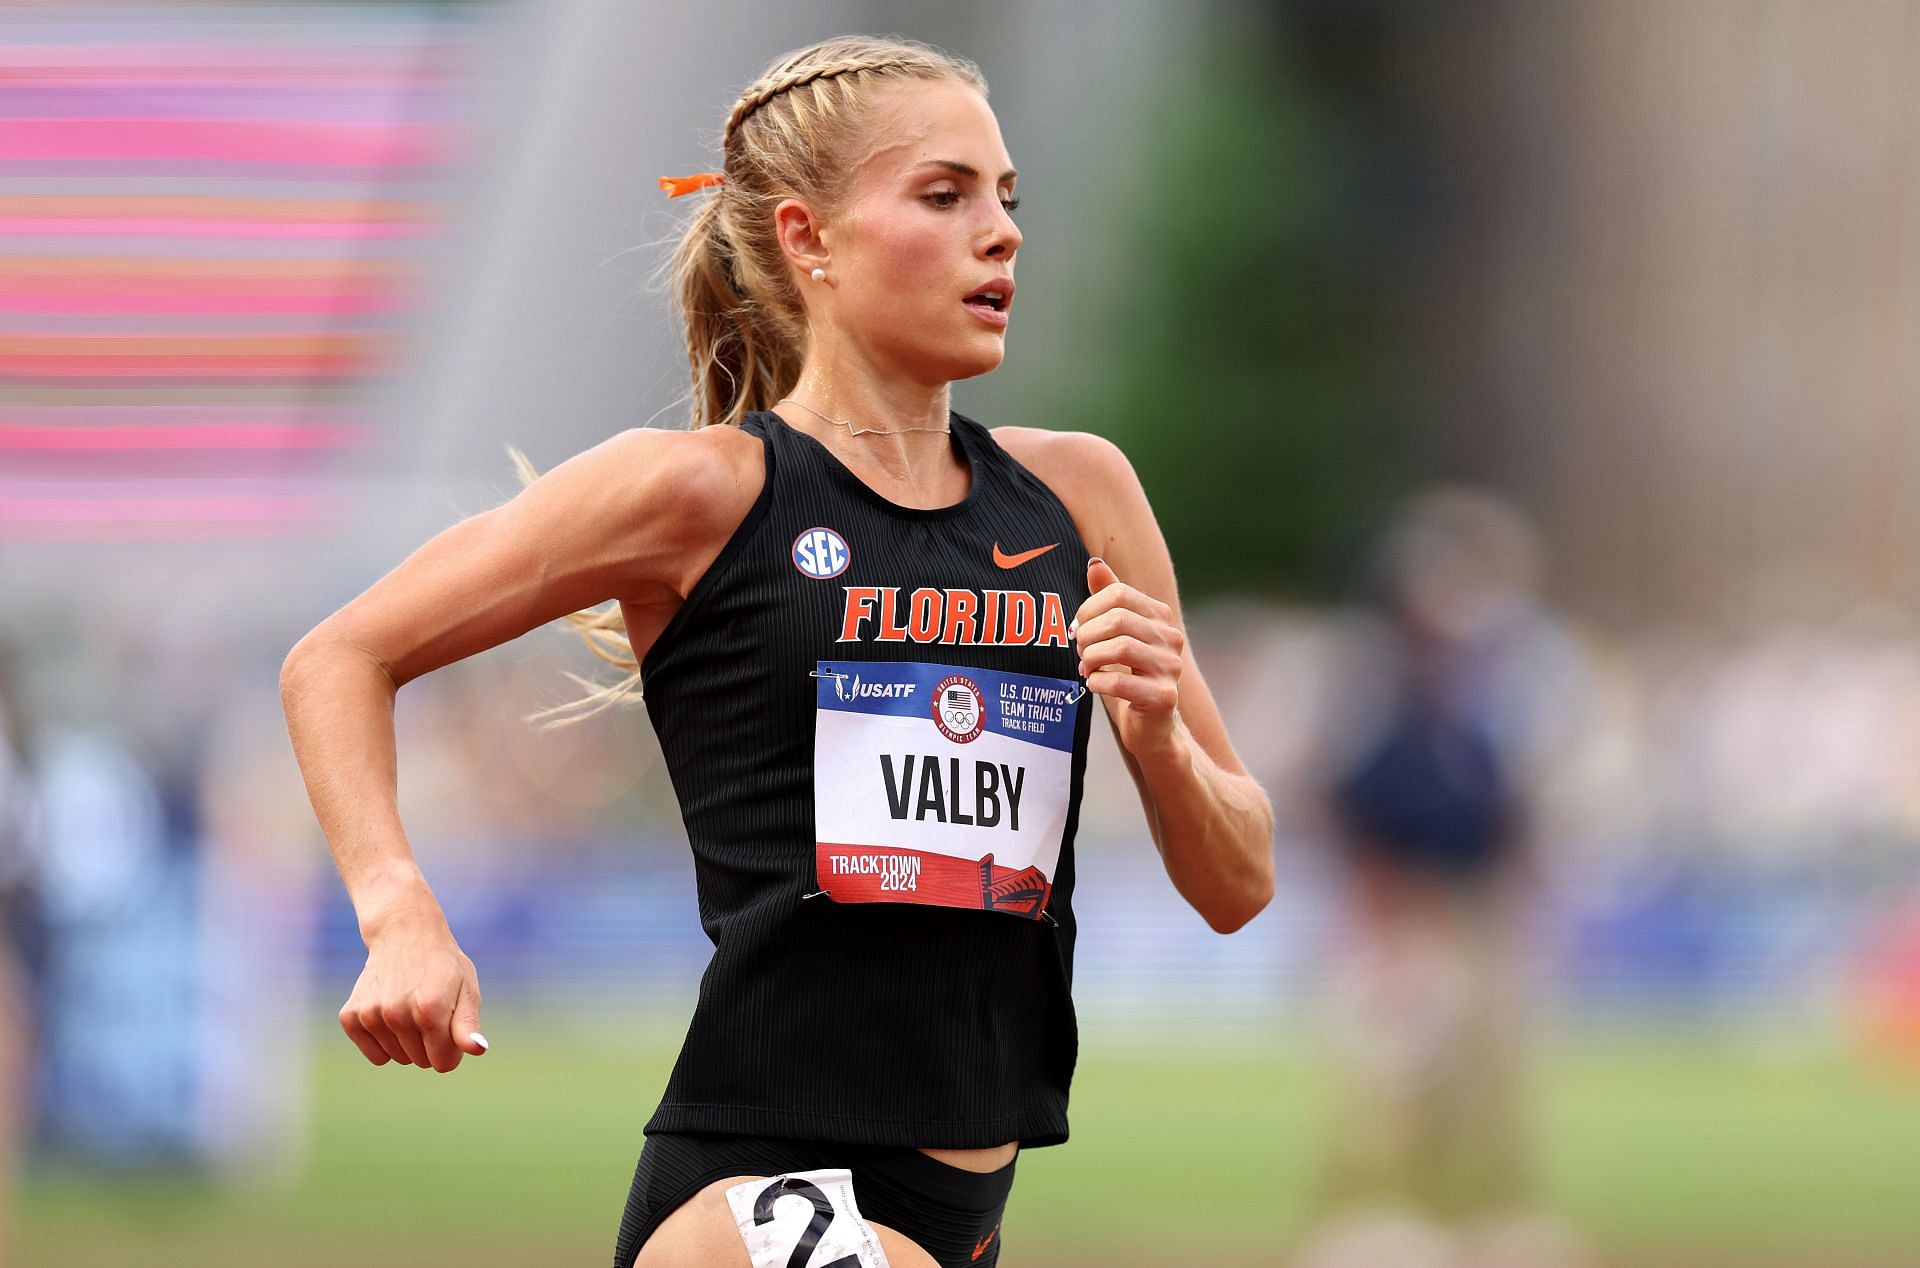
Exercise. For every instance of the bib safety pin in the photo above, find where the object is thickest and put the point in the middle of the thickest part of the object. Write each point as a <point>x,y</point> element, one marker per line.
<point>1080,689</point>
<point>815,894</point>
<point>827,673</point>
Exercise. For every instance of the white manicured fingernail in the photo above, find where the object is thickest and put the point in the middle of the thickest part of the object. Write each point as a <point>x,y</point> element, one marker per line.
<point>478,1038</point>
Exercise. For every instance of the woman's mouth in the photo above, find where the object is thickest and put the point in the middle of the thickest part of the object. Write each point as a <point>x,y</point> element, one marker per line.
<point>987,312</point>
<point>990,302</point>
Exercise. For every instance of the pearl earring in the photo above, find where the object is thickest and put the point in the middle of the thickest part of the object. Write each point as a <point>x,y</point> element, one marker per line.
<point>819,275</point>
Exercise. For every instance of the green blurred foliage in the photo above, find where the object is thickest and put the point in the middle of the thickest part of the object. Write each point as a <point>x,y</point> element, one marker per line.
<point>1248,366</point>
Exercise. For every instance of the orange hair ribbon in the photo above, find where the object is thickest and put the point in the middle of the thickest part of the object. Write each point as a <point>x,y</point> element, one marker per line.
<point>678,185</point>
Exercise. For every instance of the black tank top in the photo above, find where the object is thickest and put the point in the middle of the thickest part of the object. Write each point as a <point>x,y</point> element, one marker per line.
<point>893,940</point>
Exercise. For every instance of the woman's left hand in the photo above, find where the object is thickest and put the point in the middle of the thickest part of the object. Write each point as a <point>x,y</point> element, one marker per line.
<point>1136,652</point>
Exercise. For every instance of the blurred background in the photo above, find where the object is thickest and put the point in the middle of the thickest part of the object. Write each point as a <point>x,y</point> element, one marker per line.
<point>1527,393</point>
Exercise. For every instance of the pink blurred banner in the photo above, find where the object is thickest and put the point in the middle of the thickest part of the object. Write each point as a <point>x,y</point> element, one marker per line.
<point>192,364</point>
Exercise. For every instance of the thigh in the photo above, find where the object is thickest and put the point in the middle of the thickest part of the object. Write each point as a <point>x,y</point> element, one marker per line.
<point>702,1233</point>
<point>952,1213</point>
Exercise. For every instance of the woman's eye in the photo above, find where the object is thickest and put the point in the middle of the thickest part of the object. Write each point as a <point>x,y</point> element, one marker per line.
<point>947,198</point>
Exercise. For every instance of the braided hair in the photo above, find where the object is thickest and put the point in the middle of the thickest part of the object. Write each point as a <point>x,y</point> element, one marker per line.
<point>790,134</point>
<point>797,70</point>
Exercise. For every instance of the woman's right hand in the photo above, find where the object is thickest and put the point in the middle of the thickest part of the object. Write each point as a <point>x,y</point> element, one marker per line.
<point>418,999</point>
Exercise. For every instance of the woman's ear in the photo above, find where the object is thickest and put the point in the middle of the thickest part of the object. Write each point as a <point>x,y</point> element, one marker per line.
<point>802,236</point>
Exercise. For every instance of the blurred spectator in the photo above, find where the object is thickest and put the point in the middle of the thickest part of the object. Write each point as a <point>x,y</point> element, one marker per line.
<point>262,867</point>
<point>1888,983</point>
<point>117,1079</point>
<point>20,948</point>
<point>1445,719</point>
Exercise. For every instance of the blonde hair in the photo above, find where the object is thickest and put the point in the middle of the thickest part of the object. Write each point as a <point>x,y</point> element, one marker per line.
<point>790,133</point>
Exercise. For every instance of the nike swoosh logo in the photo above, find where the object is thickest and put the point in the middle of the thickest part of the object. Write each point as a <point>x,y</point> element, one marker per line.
<point>1014,561</point>
<point>986,1241</point>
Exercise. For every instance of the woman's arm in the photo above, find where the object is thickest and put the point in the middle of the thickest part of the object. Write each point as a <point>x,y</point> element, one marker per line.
<point>636,518</point>
<point>1211,820</point>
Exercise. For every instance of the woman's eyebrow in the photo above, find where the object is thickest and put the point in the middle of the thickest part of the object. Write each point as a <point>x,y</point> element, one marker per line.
<point>963,169</point>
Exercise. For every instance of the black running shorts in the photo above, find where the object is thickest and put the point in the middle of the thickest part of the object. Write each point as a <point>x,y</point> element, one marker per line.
<point>953,1213</point>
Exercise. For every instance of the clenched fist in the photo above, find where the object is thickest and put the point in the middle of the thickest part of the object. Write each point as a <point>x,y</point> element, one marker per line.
<point>1132,653</point>
<point>418,999</point>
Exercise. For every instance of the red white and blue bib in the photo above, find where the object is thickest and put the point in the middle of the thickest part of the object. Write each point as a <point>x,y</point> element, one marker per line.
<point>941,784</point>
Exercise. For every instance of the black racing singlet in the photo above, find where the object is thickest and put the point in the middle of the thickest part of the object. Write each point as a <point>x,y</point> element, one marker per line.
<point>880,702</point>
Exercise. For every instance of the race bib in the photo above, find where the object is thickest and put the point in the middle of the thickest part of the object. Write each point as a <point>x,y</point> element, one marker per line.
<point>824,1229</point>
<point>941,784</point>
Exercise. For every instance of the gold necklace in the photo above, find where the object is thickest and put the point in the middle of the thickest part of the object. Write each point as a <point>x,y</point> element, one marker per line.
<point>860,431</point>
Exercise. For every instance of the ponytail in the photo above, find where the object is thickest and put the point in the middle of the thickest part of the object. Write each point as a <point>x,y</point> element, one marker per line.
<point>789,134</point>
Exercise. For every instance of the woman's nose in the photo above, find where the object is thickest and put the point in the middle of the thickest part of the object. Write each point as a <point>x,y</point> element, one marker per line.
<point>1006,237</point>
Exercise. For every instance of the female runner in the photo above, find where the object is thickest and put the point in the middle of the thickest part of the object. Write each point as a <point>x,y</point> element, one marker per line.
<point>867,629</point>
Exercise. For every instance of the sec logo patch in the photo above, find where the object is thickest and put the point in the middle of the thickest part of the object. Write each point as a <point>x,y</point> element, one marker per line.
<point>821,553</point>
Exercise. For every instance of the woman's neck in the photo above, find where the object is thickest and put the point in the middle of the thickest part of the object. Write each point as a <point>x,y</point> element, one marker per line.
<point>874,402</point>
<point>896,426</point>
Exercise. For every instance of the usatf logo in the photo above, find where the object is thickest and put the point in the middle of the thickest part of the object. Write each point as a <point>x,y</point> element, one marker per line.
<point>956,708</point>
<point>821,553</point>
<point>857,690</point>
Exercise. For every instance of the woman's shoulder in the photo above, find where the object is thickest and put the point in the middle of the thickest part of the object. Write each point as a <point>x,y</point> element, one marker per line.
<point>712,469</point>
<point>693,447</point>
<point>1046,451</point>
<point>672,495</point>
<point>1088,473</point>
